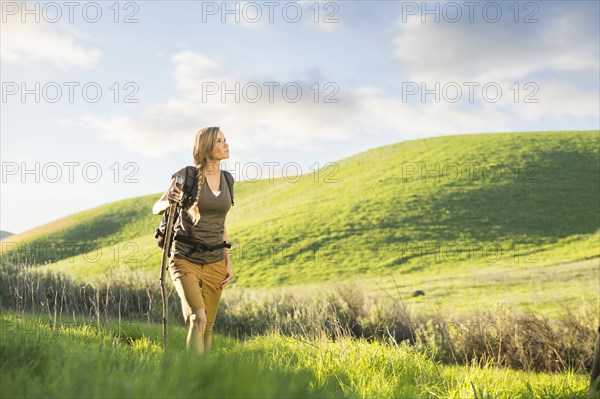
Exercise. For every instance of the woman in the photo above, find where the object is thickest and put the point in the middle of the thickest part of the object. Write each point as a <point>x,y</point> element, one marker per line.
<point>199,275</point>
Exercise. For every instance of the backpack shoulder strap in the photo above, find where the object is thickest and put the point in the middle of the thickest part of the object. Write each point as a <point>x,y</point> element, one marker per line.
<point>229,179</point>
<point>190,180</point>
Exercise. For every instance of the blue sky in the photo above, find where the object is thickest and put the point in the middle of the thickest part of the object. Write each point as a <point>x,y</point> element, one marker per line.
<point>373,52</point>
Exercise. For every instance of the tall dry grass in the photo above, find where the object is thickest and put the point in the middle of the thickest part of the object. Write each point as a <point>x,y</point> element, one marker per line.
<point>524,341</point>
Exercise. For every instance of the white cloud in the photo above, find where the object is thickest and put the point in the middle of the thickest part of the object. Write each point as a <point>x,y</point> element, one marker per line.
<point>170,126</point>
<point>559,56</point>
<point>559,99</point>
<point>190,66</point>
<point>431,52</point>
<point>304,125</point>
<point>31,43</point>
<point>491,52</point>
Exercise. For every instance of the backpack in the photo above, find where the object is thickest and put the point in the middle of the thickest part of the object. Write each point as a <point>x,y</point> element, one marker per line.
<point>188,191</point>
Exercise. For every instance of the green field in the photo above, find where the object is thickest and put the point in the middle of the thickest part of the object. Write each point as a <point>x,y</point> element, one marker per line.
<point>501,231</point>
<point>76,358</point>
<point>494,218</point>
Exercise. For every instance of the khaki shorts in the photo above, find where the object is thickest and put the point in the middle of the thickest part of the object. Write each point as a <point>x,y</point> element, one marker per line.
<point>199,287</point>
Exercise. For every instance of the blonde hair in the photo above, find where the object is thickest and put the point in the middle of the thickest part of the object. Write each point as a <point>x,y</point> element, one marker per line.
<point>204,145</point>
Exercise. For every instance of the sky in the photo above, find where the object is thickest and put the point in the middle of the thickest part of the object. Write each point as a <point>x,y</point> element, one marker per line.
<point>101,100</point>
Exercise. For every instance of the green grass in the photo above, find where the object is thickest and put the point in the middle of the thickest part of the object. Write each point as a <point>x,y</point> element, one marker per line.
<point>80,358</point>
<point>368,220</point>
<point>525,242</point>
<point>547,289</point>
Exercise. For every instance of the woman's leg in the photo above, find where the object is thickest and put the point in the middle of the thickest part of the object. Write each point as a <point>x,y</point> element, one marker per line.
<point>196,331</point>
<point>212,275</point>
<point>208,342</point>
<point>187,281</point>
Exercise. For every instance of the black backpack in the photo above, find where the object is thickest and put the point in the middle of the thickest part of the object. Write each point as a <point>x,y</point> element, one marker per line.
<point>188,191</point>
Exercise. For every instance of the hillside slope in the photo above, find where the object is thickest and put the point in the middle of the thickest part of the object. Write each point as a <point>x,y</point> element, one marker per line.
<point>499,198</point>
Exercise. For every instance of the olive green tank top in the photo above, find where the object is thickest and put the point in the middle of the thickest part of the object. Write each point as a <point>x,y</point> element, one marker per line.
<point>210,228</point>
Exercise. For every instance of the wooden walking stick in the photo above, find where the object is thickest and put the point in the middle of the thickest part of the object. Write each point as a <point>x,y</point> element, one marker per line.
<point>166,254</point>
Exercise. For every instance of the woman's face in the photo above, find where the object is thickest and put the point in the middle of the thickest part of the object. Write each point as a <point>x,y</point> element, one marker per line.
<point>221,150</point>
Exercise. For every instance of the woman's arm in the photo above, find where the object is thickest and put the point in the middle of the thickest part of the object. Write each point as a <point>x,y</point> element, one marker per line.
<point>225,239</point>
<point>229,276</point>
<point>163,202</point>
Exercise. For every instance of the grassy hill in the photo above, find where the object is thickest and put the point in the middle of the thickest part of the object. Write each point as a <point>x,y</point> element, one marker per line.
<point>497,207</point>
<point>5,234</point>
